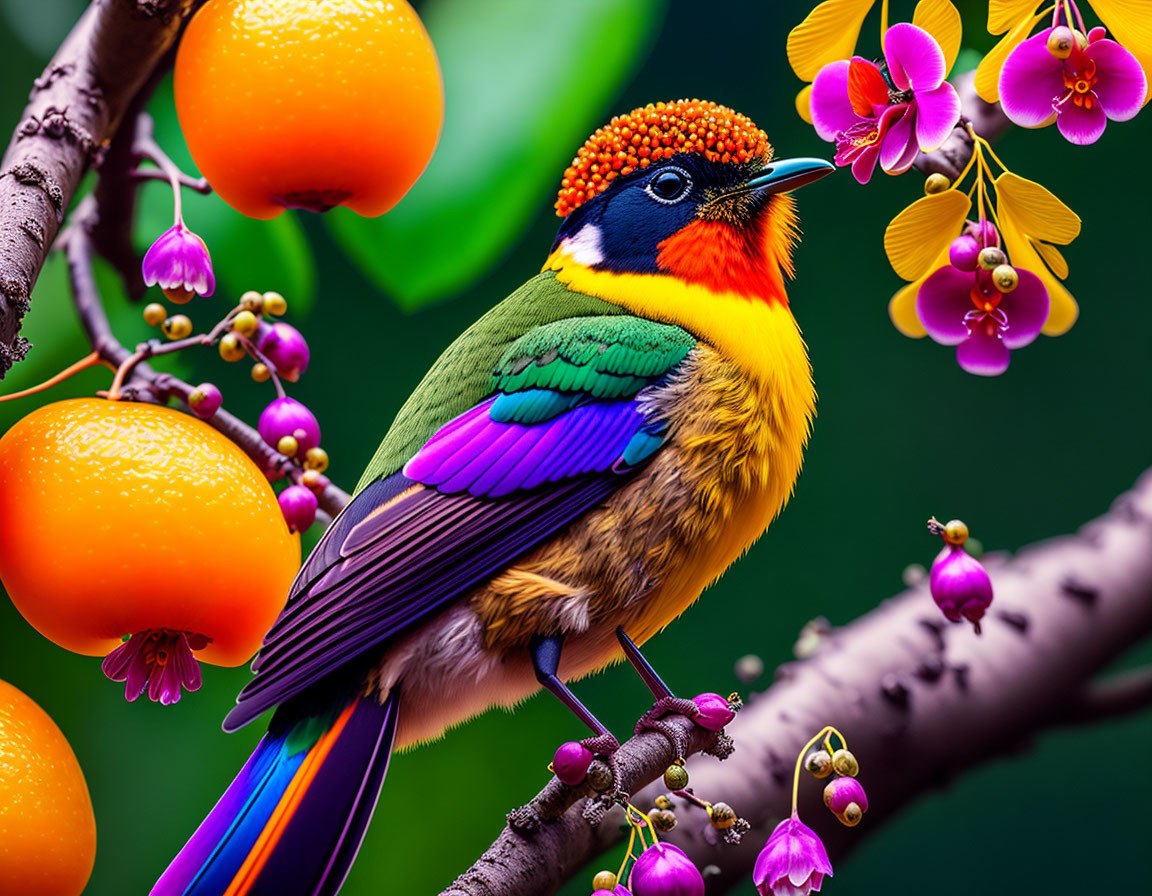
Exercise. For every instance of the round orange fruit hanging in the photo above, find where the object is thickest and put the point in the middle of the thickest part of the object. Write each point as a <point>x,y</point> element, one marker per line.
<point>299,104</point>
<point>47,829</point>
<point>127,519</point>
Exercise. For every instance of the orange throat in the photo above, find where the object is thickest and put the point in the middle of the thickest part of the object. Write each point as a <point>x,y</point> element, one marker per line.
<point>750,261</point>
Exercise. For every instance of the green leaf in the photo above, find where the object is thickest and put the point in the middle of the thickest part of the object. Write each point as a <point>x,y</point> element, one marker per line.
<point>518,104</point>
<point>246,253</point>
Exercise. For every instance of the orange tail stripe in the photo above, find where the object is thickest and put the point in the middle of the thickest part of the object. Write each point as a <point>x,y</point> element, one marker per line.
<point>286,808</point>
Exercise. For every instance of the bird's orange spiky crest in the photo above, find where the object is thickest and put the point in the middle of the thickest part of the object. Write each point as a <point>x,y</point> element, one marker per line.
<point>658,131</point>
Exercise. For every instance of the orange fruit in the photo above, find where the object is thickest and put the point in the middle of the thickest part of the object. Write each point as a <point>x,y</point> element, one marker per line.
<point>302,104</point>
<point>47,829</point>
<point>119,517</point>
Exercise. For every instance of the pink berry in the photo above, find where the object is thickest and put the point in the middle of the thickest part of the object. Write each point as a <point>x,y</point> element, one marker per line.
<point>298,505</point>
<point>205,400</point>
<point>570,764</point>
<point>964,252</point>
<point>714,711</point>
<point>288,417</point>
<point>284,346</point>
<point>839,792</point>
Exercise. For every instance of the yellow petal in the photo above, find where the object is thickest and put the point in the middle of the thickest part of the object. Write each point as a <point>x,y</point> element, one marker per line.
<point>1062,308</point>
<point>902,307</point>
<point>804,103</point>
<point>1052,257</point>
<point>829,33</point>
<point>1003,14</point>
<point>941,19</point>
<point>918,235</point>
<point>1038,212</point>
<point>1130,22</point>
<point>988,72</point>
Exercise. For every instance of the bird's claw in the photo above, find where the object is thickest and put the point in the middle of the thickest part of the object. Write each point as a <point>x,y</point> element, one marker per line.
<point>653,720</point>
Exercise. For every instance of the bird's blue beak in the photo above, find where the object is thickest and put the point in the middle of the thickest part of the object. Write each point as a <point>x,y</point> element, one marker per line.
<point>786,175</point>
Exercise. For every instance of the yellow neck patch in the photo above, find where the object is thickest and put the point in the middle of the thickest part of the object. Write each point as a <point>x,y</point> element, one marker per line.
<point>761,337</point>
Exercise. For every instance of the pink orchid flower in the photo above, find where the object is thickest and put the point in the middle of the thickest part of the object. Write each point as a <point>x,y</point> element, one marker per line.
<point>871,119</point>
<point>1096,81</point>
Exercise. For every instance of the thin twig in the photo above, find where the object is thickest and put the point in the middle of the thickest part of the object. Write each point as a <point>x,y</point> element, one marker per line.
<point>1120,695</point>
<point>142,382</point>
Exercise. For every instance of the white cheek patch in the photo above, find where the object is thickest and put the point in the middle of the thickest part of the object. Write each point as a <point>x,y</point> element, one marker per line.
<point>585,246</point>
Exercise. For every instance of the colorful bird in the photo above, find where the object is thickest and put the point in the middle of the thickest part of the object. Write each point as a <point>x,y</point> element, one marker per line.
<point>566,480</point>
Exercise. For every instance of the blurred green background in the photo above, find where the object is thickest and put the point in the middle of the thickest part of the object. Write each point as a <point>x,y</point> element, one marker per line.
<point>902,433</point>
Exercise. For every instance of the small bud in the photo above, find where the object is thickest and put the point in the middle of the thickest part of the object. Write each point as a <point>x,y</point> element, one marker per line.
<point>288,446</point>
<point>840,793</point>
<point>314,480</point>
<point>1061,41</point>
<point>984,232</point>
<point>963,252</point>
<point>260,372</point>
<point>936,183</point>
<point>991,258</point>
<point>154,314</point>
<point>178,295</point>
<point>252,301</point>
<point>844,763</point>
<point>288,417</point>
<point>316,459</point>
<point>570,763</point>
<point>205,400</point>
<point>722,816</point>
<point>245,323</point>
<point>298,506</point>
<point>955,532</point>
<point>818,764</point>
<point>663,820</point>
<point>714,711</point>
<point>663,802</point>
<point>599,776</point>
<point>1005,278</point>
<point>851,815</point>
<point>274,303</point>
<point>178,326</point>
<point>230,347</point>
<point>285,348</point>
<point>604,880</point>
<point>675,777</point>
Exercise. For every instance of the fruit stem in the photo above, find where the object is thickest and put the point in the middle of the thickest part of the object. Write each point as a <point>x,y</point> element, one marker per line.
<point>158,660</point>
<point>250,347</point>
<point>83,364</point>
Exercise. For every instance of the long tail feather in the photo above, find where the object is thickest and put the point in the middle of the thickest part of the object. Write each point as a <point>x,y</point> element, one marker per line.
<point>293,819</point>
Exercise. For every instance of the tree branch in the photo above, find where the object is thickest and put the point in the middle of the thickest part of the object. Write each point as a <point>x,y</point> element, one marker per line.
<point>920,701</point>
<point>147,384</point>
<point>988,120</point>
<point>74,109</point>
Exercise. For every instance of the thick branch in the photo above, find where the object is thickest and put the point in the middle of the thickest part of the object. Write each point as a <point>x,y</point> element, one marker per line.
<point>74,108</point>
<point>920,701</point>
<point>146,384</point>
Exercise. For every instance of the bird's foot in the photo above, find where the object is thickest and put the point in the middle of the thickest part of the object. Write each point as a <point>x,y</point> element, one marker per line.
<point>604,772</point>
<point>653,720</point>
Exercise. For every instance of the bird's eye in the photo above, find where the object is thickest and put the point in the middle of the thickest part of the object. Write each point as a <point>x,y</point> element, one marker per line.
<point>669,186</point>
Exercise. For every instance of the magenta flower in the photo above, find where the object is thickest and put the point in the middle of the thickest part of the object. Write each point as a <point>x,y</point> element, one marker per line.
<point>1080,92</point>
<point>793,862</point>
<point>618,890</point>
<point>179,262</point>
<point>159,661</point>
<point>967,310</point>
<point>665,870</point>
<point>960,585</point>
<point>871,118</point>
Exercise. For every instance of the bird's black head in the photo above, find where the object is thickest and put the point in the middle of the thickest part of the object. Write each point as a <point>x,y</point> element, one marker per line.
<point>687,189</point>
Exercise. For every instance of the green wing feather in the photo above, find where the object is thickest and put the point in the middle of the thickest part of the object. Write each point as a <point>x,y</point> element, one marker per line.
<point>462,376</point>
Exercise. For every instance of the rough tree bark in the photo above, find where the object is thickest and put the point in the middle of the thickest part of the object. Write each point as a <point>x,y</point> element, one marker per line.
<point>73,111</point>
<point>920,701</point>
